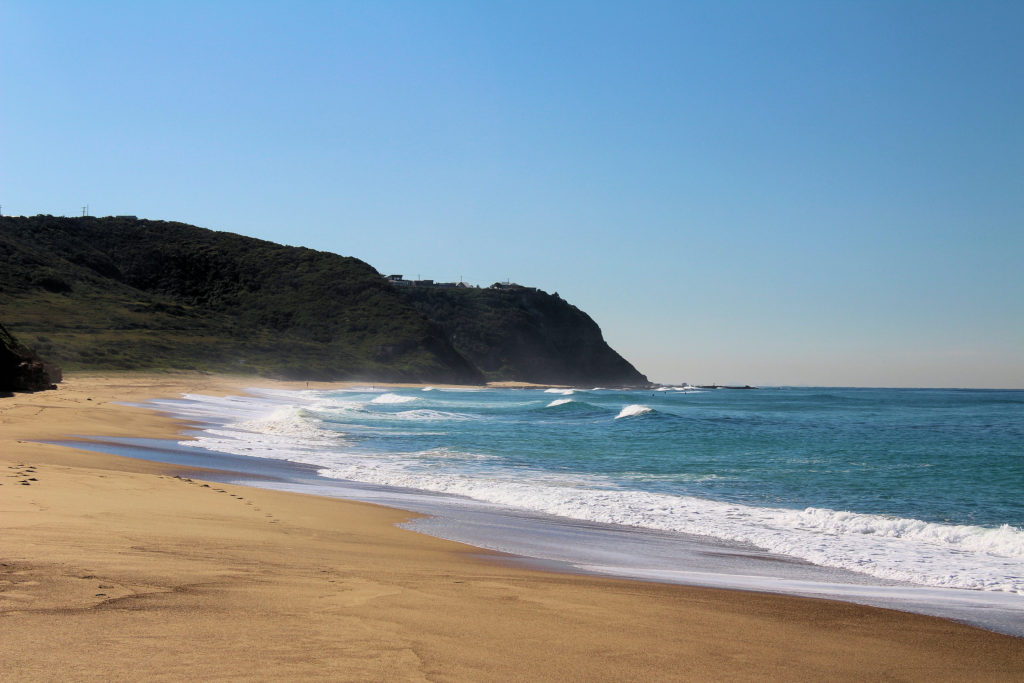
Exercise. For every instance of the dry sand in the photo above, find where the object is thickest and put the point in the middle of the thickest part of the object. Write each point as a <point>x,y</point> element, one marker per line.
<point>115,569</point>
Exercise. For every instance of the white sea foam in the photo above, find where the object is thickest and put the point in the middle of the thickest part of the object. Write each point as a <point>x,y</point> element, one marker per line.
<point>286,432</point>
<point>286,421</point>
<point>634,410</point>
<point>563,392</point>
<point>559,402</point>
<point>898,549</point>
<point>427,415</point>
<point>394,398</point>
<point>944,555</point>
<point>444,453</point>
<point>428,388</point>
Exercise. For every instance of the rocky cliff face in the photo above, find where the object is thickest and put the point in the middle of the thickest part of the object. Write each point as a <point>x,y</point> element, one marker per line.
<point>22,370</point>
<point>525,334</point>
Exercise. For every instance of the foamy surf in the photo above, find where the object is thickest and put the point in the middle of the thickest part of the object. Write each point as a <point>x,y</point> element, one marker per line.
<point>559,402</point>
<point>484,446</point>
<point>933,554</point>
<point>429,415</point>
<point>634,410</point>
<point>393,398</point>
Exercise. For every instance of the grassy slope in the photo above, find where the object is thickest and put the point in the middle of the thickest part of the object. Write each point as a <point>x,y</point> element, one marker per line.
<point>122,294</point>
<point>112,294</point>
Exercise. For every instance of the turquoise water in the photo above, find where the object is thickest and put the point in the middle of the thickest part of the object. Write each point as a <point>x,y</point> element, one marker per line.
<point>925,486</point>
<point>937,455</point>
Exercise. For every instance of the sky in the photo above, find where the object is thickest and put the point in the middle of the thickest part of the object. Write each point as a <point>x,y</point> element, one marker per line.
<point>771,193</point>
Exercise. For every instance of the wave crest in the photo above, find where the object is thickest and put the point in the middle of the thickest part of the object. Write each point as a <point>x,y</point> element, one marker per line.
<point>559,402</point>
<point>634,410</point>
<point>388,399</point>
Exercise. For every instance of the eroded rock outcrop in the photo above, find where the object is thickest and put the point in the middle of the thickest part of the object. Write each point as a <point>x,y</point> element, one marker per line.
<point>21,369</point>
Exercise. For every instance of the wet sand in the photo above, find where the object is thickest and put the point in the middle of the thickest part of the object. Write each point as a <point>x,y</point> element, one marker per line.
<point>115,568</point>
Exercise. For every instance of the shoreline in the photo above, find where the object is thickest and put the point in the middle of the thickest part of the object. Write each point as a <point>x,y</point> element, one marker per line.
<point>360,597</point>
<point>577,546</point>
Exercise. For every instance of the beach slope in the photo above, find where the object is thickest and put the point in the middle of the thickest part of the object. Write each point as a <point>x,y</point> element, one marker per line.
<point>112,568</point>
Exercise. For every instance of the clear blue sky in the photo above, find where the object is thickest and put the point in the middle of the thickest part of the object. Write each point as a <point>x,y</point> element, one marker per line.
<point>758,192</point>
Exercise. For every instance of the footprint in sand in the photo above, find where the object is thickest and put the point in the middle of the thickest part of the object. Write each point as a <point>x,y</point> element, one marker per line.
<point>271,519</point>
<point>22,472</point>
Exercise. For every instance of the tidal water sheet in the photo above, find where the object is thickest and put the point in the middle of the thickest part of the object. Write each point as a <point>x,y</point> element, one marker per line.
<point>912,499</point>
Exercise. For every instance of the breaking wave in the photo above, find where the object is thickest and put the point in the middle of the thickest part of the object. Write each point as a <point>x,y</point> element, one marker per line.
<point>634,410</point>
<point>393,398</point>
<point>324,430</point>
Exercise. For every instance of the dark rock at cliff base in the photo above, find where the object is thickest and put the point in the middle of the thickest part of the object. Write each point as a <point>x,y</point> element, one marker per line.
<point>21,369</point>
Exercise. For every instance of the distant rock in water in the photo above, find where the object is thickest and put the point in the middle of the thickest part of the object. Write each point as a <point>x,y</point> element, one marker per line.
<point>21,369</point>
<point>121,293</point>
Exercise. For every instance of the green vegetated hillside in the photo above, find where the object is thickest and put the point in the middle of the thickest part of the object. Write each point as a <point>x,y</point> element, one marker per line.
<point>123,293</point>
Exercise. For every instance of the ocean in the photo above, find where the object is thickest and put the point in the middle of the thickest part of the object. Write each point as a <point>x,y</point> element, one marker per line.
<point>908,498</point>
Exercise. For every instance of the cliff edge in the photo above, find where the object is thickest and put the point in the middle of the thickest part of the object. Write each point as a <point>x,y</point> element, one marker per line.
<point>526,334</point>
<point>123,293</point>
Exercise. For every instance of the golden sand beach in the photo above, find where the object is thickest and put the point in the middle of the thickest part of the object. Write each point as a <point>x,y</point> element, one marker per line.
<point>120,569</point>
